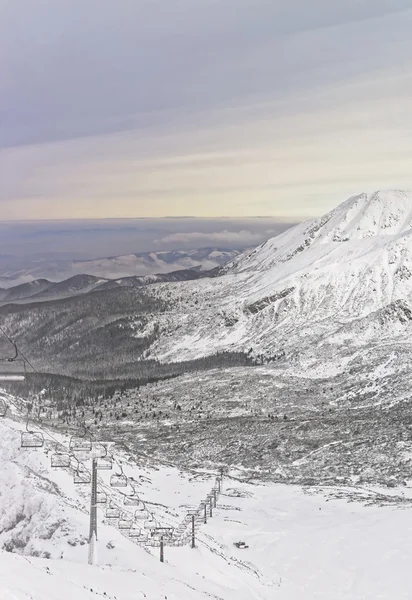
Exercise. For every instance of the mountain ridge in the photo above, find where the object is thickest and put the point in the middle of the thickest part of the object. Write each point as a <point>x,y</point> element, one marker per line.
<point>288,298</point>
<point>116,267</point>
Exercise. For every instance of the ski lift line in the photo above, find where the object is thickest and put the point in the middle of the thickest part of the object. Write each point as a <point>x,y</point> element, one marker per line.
<point>3,331</point>
<point>85,470</point>
<point>3,408</point>
<point>82,468</point>
<point>19,352</point>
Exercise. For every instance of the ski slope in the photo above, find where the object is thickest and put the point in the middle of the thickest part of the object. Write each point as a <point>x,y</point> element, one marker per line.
<point>301,545</point>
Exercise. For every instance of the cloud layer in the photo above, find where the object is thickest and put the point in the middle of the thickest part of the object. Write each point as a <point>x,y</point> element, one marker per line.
<point>200,107</point>
<point>79,239</point>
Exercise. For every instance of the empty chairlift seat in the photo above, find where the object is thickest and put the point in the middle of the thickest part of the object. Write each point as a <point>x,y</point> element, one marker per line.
<point>104,464</point>
<point>132,499</point>
<point>31,439</point>
<point>3,408</point>
<point>150,524</point>
<point>119,480</point>
<point>80,444</point>
<point>141,514</point>
<point>12,370</point>
<point>112,512</point>
<point>101,497</point>
<point>82,475</point>
<point>60,460</point>
<point>135,531</point>
<point>125,522</point>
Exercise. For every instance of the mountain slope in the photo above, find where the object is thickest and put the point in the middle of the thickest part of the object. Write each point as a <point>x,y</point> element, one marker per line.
<point>303,285</point>
<point>292,297</point>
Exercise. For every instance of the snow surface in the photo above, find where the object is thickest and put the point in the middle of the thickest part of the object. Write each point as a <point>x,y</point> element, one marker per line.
<point>301,546</point>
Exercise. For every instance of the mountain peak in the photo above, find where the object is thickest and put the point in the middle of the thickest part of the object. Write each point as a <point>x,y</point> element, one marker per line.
<point>368,215</point>
<point>386,212</point>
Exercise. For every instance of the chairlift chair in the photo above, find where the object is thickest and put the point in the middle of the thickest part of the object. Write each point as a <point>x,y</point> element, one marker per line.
<point>134,531</point>
<point>104,464</point>
<point>112,512</point>
<point>119,480</point>
<point>166,531</point>
<point>132,499</point>
<point>81,474</point>
<point>80,442</point>
<point>141,514</point>
<point>124,522</point>
<point>12,368</point>
<point>143,538</point>
<point>60,460</point>
<point>150,523</point>
<point>98,451</point>
<point>31,439</point>
<point>101,497</point>
<point>3,408</point>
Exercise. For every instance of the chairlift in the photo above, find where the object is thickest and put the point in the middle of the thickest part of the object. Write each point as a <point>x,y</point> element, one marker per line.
<point>12,368</point>
<point>150,523</point>
<point>3,408</point>
<point>60,460</point>
<point>112,512</point>
<point>134,531</point>
<point>141,514</point>
<point>132,499</point>
<point>166,531</point>
<point>81,442</point>
<point>81,474</point>
<point>101,497</point>
<point>125,522</point>
<point>104,464</point>
<point>142,538</point>
<point>31,439</point>
<point>98,451</point>
<point>119,480</point>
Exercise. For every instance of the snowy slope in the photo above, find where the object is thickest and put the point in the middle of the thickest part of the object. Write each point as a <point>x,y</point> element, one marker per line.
<point>43,514</point>
<point>300,546</point>
<point>303,286</point>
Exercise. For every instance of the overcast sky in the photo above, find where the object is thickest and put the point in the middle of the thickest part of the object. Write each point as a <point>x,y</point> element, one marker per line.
<point>125,108</point>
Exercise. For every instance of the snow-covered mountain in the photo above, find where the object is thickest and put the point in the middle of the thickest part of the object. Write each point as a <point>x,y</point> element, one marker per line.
<point>346,275</point>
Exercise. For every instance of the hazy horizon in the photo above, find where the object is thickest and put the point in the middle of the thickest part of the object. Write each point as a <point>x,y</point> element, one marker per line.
<point>98,238</point>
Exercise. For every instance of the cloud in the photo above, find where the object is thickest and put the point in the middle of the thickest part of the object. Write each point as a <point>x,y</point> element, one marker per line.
<point>225,238</point>
<point>79,239</point>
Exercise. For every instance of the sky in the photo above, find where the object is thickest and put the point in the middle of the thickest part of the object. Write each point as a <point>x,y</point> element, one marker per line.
<point>204,108</point>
